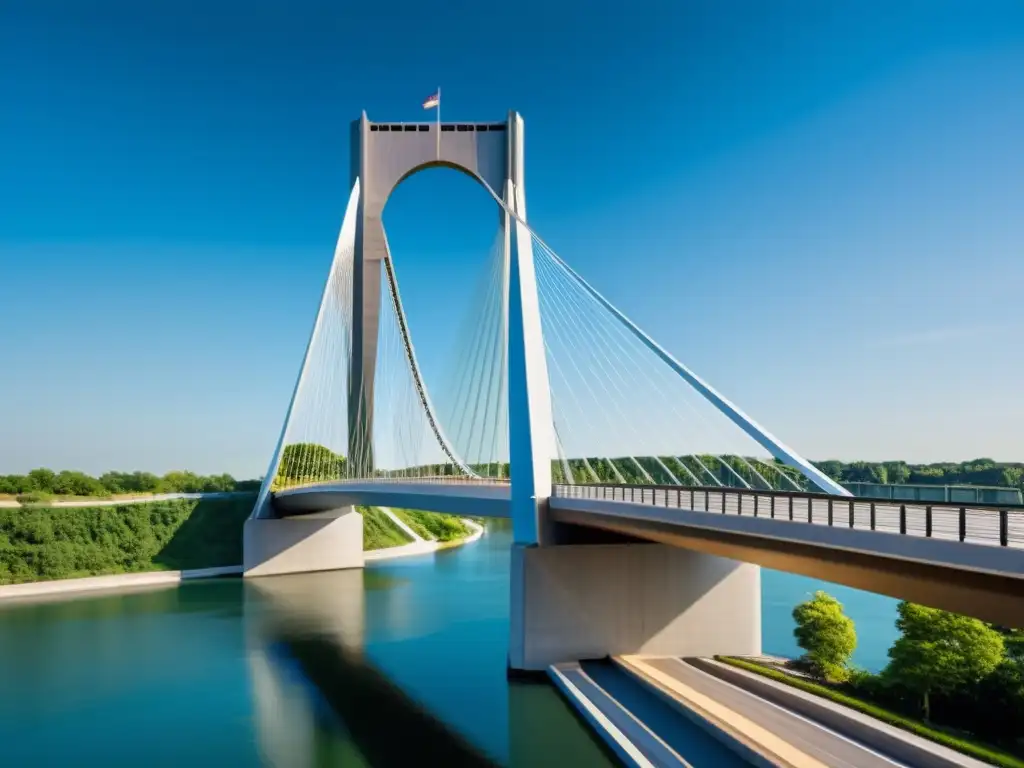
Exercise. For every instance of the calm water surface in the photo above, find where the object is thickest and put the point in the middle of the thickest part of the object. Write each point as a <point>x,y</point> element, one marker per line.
<point>200,674</point>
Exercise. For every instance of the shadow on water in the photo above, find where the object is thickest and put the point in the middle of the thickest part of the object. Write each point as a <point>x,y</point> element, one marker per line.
<point>318,696</point>
<point>374,711</point>
<point>405,660</point>
<point>305,636</point>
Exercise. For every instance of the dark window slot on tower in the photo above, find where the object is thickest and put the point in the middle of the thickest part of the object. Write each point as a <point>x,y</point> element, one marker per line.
<point>447,127</point>
<point>422,127</point>
<point>495,127</point>
<point>384,127</point>
<point>410,128</point>
<point>374,128</point>
<point>465,127</point>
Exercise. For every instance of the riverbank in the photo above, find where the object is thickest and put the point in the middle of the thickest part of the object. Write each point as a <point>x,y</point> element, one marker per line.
<point>419,545</point>
<point>65,587</point>
<point>35,590</point>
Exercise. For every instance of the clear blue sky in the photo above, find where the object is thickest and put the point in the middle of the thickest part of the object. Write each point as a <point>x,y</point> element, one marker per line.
<point>817,205</point>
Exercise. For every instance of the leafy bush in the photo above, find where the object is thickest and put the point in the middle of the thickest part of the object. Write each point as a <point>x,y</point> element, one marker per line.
<point>33,497</point>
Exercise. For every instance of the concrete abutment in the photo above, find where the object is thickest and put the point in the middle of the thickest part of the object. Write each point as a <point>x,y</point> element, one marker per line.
<point>575,602</point>
<point>325,541</point>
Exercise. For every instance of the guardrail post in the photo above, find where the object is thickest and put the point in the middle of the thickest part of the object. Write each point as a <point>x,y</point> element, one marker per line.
<point>773,507</point>
<point>928,521</point>
<point>791,508</point>
<point>903,518</point>
<point>1004,527</point>
<point>963,523</point>
<point>872,515</point>
<point>853,512</point>
<point>757,498</point>
<point>739,503</point>
<point>830,512</point>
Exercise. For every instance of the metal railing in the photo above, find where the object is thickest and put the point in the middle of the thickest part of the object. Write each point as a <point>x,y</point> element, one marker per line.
<point>991,524</point>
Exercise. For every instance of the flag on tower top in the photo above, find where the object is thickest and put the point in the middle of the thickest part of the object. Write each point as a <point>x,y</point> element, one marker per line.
<point>434,100</point>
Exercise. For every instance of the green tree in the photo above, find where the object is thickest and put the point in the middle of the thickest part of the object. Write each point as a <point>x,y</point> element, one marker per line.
<point>72,483</point>
<point>41,480</point>
<point>827,636</point>
<point>939,651</point>
<point>310,462</point>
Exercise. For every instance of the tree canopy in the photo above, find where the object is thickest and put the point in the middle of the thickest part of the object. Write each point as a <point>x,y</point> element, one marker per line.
<point>939,651</point>
<point>74,483</point>
<point>827,636</point>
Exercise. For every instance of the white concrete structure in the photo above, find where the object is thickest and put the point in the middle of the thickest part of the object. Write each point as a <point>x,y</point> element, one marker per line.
<point>324,541</point>
<point>588,601</point>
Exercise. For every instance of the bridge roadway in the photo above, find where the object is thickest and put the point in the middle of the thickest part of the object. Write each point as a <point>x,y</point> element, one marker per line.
<point>965,559</point>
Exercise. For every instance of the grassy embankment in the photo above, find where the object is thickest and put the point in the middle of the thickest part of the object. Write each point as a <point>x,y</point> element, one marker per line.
<point>43,543</point>
<point>380,531</point>
<point>966,746</point>
<point>433,526</point>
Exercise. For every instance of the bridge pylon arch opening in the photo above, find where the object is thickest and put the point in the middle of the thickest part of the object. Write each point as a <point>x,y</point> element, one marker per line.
<point>383,156</point>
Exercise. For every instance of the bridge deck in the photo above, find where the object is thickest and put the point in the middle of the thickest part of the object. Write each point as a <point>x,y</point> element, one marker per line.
<point>975,524</point>
<point>964,559</point>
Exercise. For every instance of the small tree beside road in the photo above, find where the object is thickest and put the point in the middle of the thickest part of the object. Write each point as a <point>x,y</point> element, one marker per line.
<point>827,636</point>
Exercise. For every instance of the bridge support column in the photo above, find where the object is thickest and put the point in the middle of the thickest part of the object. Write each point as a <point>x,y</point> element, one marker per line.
<point>575,602</point>
<point>325,541</point>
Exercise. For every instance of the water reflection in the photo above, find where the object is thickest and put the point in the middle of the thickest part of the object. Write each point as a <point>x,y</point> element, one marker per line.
<point>385,667</point>
<point>222,672</point>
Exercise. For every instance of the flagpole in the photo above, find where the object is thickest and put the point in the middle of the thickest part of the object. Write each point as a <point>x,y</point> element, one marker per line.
<point>439,123</point>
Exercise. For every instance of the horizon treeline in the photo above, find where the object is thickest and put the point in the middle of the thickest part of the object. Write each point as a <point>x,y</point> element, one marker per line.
<point>977,472</point>
<point>74,483</point>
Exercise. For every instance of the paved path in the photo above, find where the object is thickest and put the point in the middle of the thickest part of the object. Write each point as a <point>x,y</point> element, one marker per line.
<point>765,727</point>
<point>401,523</point>
<point>133,499</point>
<point>63,587</point>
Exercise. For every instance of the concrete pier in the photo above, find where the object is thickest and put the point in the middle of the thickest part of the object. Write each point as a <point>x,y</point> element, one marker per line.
<point>325,541</point>
<point>578,602</point>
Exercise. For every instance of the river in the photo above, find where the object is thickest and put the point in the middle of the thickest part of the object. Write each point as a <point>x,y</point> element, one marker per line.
<point>195,675</point>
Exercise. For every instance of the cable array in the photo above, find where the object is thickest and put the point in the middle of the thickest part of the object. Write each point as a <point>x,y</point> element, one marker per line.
<point>407,439</point>
<point>474,404</point>
<point>621,415</point>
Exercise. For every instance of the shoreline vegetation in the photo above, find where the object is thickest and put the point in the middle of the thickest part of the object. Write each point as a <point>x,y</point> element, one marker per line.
<point>950,679</point>
<point>42,486</point>
<point>44,543</point>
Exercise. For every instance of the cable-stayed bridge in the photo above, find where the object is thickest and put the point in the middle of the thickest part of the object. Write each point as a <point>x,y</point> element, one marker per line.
<point>561,414</point>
